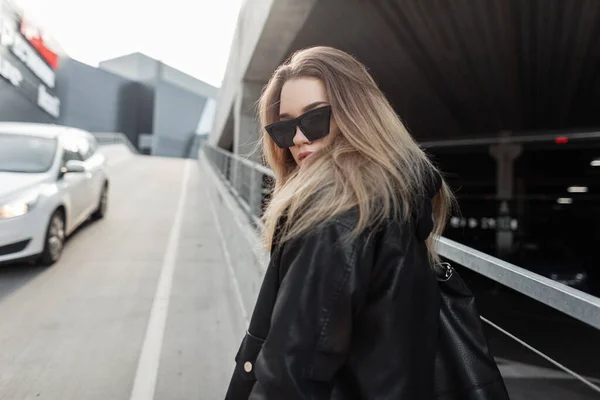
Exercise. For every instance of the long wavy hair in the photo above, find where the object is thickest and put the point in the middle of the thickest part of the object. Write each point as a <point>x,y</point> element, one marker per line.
<point>373,164</point>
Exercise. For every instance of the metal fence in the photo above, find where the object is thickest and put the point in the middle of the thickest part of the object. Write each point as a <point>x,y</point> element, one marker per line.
<point>250,182</point>
<point>114,138</point>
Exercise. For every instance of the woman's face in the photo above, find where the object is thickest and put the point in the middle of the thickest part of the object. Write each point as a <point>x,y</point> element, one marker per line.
<point>297,97</point>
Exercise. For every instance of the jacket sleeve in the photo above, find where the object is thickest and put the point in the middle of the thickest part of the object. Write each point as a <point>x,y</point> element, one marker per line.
<point>311,326</point>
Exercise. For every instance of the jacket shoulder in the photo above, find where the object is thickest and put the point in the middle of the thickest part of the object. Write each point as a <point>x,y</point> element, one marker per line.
<point>348,219</point>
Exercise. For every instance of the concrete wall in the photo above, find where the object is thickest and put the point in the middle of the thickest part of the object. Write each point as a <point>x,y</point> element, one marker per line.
<point>251,21</point>
<point>145,97</point>
<point>144,71</point>
<point>264,33</point>
<point>97,100</point>
<point>246,128</point>
<point>136,66</point>
<point>186,81</point>
<point>123,66</point>
<point>247,256</point>
<point>207,117</point>
<point>170,102</point>
<point>176,115</point>
<point>139,67</point>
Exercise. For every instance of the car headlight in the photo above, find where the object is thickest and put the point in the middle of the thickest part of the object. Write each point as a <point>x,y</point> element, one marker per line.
<point>19,206</point>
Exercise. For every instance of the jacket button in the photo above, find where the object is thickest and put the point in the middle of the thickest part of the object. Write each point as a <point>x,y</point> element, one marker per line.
<point>248,366</point>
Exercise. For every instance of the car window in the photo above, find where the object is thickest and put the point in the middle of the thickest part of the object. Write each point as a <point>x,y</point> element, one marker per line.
<point>26,154</point>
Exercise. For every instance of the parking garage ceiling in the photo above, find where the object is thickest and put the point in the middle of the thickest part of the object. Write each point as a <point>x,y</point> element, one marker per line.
<point>459,68</point>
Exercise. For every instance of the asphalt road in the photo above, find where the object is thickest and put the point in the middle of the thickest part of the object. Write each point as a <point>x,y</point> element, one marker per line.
<point>86,327</point>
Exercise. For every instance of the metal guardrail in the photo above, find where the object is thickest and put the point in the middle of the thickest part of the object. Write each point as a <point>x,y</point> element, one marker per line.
<point>249,183</point>
<point>580,137</point>
<point>114,138</point>
<point>563,298</point>
<point>245,178</point>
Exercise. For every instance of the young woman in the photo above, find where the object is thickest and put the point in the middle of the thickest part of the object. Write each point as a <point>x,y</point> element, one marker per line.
<point>349,307</point>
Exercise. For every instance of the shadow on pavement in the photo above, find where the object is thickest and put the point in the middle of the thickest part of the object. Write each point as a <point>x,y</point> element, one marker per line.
<point>14,276</point>
<point>17,274</point>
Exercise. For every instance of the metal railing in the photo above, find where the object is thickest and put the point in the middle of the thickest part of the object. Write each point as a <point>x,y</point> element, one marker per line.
<point>249,181</point>
<point>533,138</point>
<point>104,138</point>
<point>249,184</point>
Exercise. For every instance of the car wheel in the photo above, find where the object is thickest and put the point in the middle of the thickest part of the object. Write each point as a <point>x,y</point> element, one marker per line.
<point>102,204</point>
<point>55,239</point>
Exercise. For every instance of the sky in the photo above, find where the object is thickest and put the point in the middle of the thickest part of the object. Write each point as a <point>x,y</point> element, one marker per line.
<point>193,36</point>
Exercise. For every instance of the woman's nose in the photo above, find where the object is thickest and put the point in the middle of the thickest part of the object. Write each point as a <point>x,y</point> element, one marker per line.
<point>299,137</point>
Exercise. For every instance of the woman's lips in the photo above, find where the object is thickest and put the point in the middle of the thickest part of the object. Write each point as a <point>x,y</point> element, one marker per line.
<point>303,155</point>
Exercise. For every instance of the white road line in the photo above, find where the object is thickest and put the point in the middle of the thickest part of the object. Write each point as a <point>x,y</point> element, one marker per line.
<point>144,385</point>
<point>236,285</point>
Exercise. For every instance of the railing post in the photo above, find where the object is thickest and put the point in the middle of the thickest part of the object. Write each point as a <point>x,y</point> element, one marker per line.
<point>226,168</point>
<point>236,175</point>
<point>254,192</point>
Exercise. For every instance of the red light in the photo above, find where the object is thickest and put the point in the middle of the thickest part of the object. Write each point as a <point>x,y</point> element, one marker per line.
<point>562,140</point>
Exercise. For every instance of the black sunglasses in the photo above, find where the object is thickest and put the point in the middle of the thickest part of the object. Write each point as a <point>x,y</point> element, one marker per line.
<point>314,125</point>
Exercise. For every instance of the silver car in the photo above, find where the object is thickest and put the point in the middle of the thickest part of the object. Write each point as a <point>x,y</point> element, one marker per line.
<point>52,179</point>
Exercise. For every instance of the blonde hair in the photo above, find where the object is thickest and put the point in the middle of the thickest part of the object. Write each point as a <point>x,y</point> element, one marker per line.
<point>373,164</point>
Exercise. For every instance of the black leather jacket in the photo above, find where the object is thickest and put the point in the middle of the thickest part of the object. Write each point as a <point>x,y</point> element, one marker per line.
<point>353,319</point>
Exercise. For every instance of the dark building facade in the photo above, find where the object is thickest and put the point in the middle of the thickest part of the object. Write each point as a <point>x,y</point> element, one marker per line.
<point>99,101</point>
<point>29,85</point>
<point>171,104</point>
<point>134,94</point>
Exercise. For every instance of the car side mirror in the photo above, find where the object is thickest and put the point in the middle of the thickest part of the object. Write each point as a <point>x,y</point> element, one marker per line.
<point>74,167</point>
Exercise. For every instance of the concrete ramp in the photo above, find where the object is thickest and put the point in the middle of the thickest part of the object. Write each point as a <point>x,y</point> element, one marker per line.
<point>116,153</point>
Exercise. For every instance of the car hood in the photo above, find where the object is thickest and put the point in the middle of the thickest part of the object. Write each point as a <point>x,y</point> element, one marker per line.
<point>12,183</point>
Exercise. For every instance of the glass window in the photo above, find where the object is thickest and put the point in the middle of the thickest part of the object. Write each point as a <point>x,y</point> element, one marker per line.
<point>24,153</point>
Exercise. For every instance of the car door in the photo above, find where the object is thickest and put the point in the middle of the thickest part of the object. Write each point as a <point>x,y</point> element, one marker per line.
<point>74,184</point>
<point>93,164</point>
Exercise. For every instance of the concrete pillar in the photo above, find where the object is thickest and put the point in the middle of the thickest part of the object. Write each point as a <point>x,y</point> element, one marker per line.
<point>505,155</point>
<point>246,135</point>
<point>246,126</point>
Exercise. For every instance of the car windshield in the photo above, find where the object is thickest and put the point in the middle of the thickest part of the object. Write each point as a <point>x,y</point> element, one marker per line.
<point>28,154</point>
